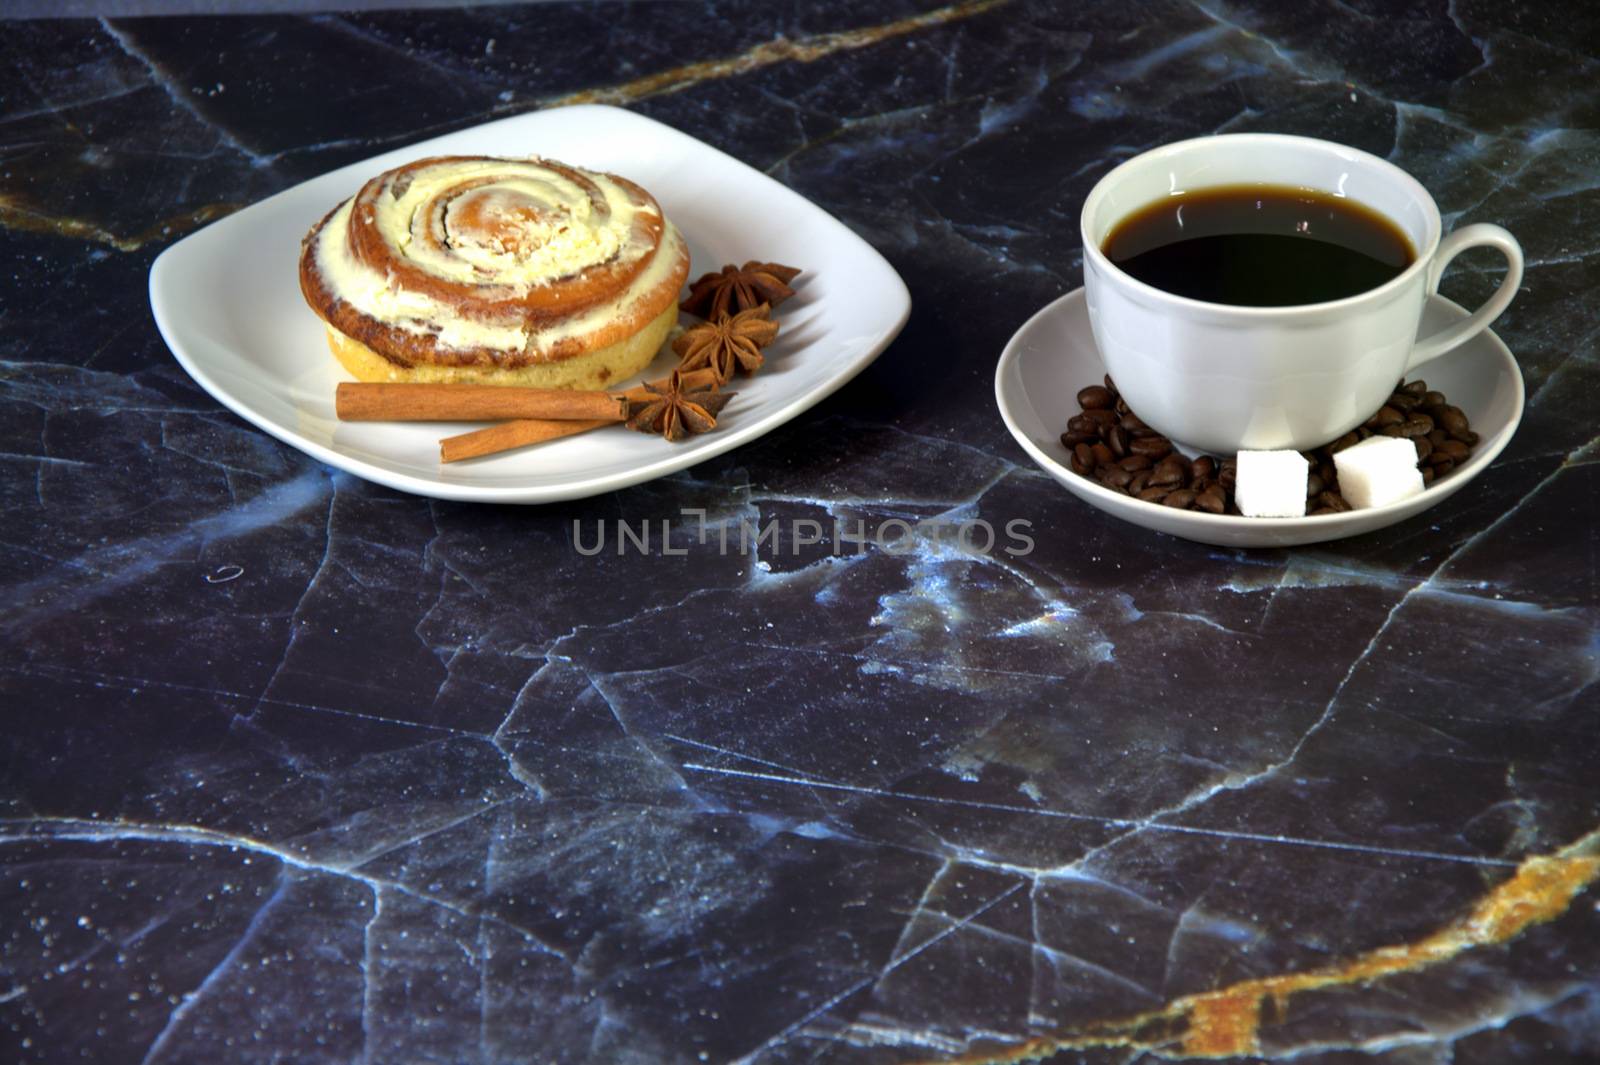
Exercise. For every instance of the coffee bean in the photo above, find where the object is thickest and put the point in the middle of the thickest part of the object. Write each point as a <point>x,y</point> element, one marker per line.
<point>1114,476</point>
<point>1404,402</point>
<point>1169,471</point>
<point>1417,388</point>
<point>1453,422</point>
<point>1397,430</point>
<point>1095,398</point>
<point>1328,472</point>
<point>1213,500</point>
<point>1424,448</point>
<point>1180,499</point>
<point>1103,418</point>
<point>1135,463</point>
<point>1110,386</point>
<point>1154,446</point>
<point>1338,445</point>
<point>1441,468</point>
<point>1118,440</point>
<point>1082,423</point>
<point>1204,466</point>
<point>1102,454</point>
<point>1085,456</point>
<point>1070,440</point>
<point>1134,424</point>
<point>1385,416</point>
<point>1437,437</point>
<point>1154,493</point>
<point>1140,480</point>
<point>1314,485</point>
<point>1433,399</point>
<point>1454,450</point>
<point>1470,438</point>
<point>1417,425</point>
<point>1333,499</point>
<point>1121,407</point>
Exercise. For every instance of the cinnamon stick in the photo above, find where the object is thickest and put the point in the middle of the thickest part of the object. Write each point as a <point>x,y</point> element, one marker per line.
<point>370,401</point>
<point>525,431</point>
<point>508,435</point>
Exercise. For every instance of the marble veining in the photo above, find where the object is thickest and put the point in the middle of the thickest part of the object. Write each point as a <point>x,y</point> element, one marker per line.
<point>298,768</point>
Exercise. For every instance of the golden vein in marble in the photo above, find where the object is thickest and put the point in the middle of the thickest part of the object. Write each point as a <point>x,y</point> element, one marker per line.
<point>18,216</point>
<point>1225,1023</point>
<point>781,50</point>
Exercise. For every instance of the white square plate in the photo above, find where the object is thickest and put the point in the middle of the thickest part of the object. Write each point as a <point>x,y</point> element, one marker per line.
<point>227,301</point>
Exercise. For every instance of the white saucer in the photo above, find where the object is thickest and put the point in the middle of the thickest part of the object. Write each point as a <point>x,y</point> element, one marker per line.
<point>1053,355</point>
<point>227,300</point>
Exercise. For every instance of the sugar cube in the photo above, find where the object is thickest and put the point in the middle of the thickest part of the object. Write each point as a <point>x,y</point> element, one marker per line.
<point>1271,484</point>
<point>1379,470</point>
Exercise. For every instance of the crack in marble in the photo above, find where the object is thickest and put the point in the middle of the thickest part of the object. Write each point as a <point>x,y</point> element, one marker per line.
<point>368,959</point>
<point>1482,44</point>
<point>179,98</point>
<point>367,857</point>
<point>827,1006</point>
<point>1111,822</point>
<point>1289,59</point>
<point>674,771</point>
<point>1225,1023</point>
<point>483,957</point>
<point>910,665</point>
<point>18,456</point>
<point>311,584</point>
<point>192,998</point>
<point>77,830</point>
<point>124,682</point>
<point>779,50</point>
<point>849,125</point>
<point>1579,350</point>
<point>1055,955</point>
<point>518,771</point>
<point>446,76</point>
<point>934,881</point>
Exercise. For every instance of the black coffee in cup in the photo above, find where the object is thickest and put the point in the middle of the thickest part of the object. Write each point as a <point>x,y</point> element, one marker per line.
<point>1259,246</point>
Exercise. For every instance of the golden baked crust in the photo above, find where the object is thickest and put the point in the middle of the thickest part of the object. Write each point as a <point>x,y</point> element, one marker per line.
<point>483,265</point>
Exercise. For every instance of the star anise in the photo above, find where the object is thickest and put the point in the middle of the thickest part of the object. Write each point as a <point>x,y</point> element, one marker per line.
<point>730,342</point>
<point>676,412</point>
<point>740,288</point>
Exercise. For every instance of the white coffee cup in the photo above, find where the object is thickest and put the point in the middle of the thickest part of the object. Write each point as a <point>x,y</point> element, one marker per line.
<point>1222,378</point>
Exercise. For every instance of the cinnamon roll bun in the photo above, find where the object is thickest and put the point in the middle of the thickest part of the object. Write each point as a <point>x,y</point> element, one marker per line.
<point>499,271</point>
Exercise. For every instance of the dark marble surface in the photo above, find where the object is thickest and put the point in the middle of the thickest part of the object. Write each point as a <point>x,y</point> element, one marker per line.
<point>297,768</point>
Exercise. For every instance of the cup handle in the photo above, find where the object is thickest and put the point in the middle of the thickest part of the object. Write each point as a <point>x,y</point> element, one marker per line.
<point>1481,234</point>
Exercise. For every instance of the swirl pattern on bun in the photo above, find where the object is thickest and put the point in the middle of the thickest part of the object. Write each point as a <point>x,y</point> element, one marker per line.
<point>518,271</point>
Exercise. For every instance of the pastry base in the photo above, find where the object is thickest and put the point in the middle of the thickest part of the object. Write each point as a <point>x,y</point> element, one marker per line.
<point>602,368</point>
